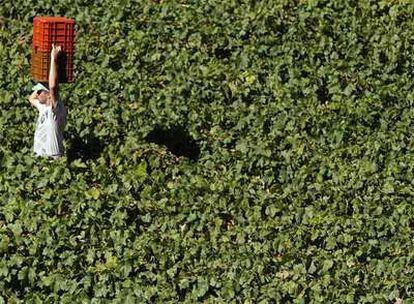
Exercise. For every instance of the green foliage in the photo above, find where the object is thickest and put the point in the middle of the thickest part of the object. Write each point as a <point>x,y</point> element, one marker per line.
<point>303,189</point>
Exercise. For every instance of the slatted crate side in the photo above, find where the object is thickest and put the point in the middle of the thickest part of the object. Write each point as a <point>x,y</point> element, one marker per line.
<point>43,39</point>
<point>40,65</point>
<point>58,30</point>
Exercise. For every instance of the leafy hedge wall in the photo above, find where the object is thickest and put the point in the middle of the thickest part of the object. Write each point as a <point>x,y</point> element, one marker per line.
<point>217,152</point>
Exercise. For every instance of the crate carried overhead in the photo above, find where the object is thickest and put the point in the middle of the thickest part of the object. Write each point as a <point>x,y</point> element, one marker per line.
<point>47,31</point>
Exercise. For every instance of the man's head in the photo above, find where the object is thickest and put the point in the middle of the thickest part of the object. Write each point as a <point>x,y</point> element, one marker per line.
<point>42,92</point>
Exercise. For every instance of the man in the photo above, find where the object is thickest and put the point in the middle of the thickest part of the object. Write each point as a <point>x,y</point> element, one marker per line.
<point>48,138</point>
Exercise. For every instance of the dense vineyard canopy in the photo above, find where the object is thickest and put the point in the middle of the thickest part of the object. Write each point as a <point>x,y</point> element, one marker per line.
<point>217,152</point>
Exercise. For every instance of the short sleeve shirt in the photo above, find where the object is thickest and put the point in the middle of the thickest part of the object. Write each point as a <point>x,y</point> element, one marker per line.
<point>48,138</point>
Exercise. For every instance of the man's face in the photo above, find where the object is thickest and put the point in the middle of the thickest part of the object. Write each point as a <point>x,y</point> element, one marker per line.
<point>42,95</point>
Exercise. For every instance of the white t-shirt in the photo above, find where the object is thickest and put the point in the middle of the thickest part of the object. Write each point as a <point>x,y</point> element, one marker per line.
<point>48,138</point>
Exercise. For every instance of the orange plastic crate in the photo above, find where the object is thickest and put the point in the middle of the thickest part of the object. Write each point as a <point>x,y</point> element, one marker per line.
<point>57,30</point>
<point>40,66</point>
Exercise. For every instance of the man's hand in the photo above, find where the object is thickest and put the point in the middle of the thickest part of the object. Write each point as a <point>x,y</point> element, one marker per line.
<point>33,98</point>
<point>33,95</point>
<point>55,51</point>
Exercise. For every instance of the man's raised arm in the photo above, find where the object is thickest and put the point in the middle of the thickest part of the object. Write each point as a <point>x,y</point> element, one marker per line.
<point>53,74</point>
